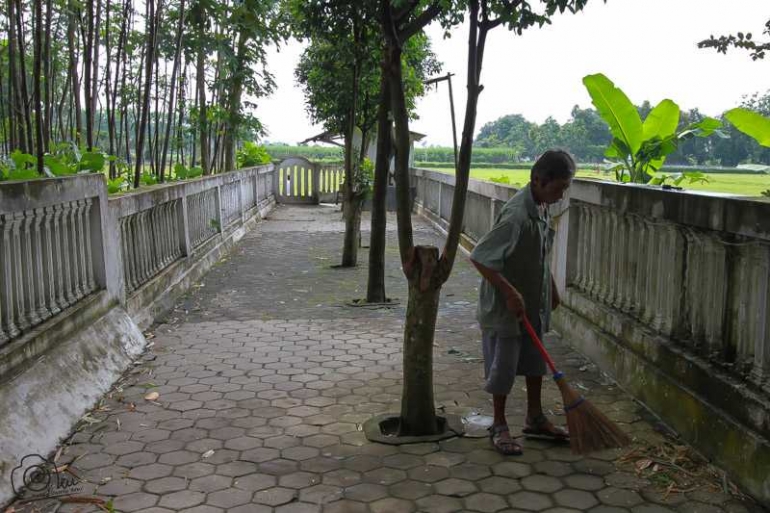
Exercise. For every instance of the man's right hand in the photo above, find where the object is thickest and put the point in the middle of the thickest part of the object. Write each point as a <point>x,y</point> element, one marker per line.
<point>515,303</point>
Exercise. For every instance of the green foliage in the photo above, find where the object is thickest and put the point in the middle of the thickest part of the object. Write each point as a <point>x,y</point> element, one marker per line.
<point>18,166</point>
<point>365,176</point>
<point>149,179</point>
<point>746,41</point>
<point>501,179</point>
<point>639,148</point>
<point>117,185</point>
<point>252,154</point>
<point>750,123</point>
<point>315,153</point>
<point>184,173</point>
<point>677,178</point>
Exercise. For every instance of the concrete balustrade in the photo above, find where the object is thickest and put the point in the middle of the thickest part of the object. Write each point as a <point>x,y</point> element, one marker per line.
<point>668,292</point>
<point>53,233</point>
<point>50,241</point>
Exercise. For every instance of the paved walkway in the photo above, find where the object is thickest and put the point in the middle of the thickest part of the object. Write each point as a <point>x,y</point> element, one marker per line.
<point>264,376</point>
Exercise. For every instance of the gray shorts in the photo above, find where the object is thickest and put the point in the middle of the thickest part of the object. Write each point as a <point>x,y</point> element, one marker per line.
<point>506,357</point>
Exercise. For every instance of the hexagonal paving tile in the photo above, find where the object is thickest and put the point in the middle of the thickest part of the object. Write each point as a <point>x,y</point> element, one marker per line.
<point>321,494</point>
<point>182,499</point>
<point>485,502</point>
<point>577,499</point>
<point>392,505</point>
<point>366,492</point>
<point>439,504</point>
<point>230,498</point>
<point>530,501</point>
<point>255,482</point>
<point>211,483</point>
<point>541,483</point>
<point>166,485</point>
<point>455,487</point>
<point>275,496</point>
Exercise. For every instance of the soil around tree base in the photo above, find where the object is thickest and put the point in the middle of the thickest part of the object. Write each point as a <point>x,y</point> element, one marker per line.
<point>384,429</point>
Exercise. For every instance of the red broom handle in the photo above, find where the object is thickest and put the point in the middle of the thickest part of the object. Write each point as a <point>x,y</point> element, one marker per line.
<point>539,344</point>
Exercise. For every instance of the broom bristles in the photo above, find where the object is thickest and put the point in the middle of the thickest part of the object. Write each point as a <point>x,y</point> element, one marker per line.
<point>589,429</point>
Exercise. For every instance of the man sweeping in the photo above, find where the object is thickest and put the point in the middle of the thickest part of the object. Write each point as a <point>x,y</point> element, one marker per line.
<point>513,259</point>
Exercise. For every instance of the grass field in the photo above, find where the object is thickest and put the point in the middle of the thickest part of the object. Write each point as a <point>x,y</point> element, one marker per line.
<point>750,185</point>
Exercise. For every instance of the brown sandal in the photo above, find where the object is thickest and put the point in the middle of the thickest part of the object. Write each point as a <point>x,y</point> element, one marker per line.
<point>505,446</point>
<point>538,428</point>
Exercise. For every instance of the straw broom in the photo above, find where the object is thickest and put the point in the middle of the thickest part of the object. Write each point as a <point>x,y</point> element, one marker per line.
<point>589,429</point>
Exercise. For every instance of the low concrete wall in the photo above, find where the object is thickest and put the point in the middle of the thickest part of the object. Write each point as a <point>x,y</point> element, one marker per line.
<point>668,292</point>
<point>81,276</point>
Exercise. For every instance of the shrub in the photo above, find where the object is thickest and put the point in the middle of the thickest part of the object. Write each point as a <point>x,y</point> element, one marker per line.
<point>252,155</point>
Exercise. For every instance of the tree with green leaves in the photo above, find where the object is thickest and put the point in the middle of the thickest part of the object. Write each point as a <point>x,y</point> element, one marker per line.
<point>342,36</point>
<point>639,146</point>
<point>341,76</point>
<point>426,270</point>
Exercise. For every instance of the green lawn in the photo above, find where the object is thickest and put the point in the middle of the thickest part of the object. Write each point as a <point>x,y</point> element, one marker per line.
<point>750,185</point>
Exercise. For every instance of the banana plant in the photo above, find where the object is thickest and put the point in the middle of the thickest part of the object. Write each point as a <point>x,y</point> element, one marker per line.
<point>639,148</point>
<point>752,124</point>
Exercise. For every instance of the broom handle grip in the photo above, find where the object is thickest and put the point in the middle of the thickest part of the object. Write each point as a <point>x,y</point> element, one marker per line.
<point>539,344</point>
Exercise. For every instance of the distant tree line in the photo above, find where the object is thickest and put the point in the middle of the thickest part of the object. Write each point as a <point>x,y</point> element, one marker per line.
<point>586,136</point>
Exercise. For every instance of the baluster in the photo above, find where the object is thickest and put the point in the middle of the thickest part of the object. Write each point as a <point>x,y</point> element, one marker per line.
<point>26,267</point>
<point>173,234</point>
<point>630,268</point>
<point>153,241</point>
<point>161,238</point>
<point>38,253</point>
<point>577,213</point>
<point>650,306</point>
<point>90,280</point>
<point>148,250</point>
<point>132,242</point>
<point>136,245</point>
<point>72,248</point>
<point>61,260</point>
<point>11,329</point>
<point>609,257</point>
<point>177,228</point>
<point>18,270</point>
<point>612,247</point>
<point>166,236</point>
<point>591,250</point>
<point>50,261</point>
<point>81,247</point>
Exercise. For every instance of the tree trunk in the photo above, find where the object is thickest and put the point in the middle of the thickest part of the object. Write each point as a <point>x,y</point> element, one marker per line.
<point>49,78</point>
<point>418,410</point>
<point>172,87</point>
<point>150,58</point>
<point>73,71</point>
<point>418,414</point>
<point>87,71</point>
<point>234,103</point>
<point>352,197</point>
<point>36,84</point>
<point>13,84</point>
<point>375,290</point>
<point>202,122</point>
<point>28,130</point>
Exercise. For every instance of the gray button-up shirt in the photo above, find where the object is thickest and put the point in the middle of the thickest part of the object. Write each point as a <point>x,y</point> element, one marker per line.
<point>518,247</point>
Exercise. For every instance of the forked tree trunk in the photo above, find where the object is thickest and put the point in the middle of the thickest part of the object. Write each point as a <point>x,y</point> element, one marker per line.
<point>425,271</point>
<point>418,410</point>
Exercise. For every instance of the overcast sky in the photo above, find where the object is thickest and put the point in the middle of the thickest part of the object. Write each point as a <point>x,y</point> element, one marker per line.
<point>647,47</point>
